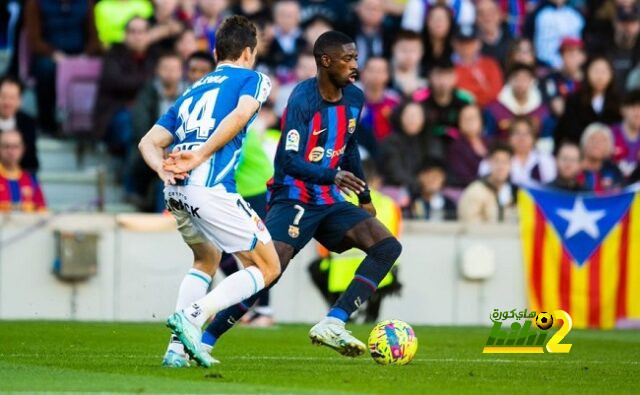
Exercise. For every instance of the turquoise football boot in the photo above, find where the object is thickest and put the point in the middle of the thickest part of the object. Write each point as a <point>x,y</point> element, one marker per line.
<point>174,360</point>
<point>189,335</point>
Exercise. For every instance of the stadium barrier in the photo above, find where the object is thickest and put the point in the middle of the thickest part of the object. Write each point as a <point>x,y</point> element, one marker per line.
<point>451,274</point>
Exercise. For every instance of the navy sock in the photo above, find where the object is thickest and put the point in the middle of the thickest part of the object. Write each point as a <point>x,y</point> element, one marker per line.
<point>227,318</point>
<point>379,260</point>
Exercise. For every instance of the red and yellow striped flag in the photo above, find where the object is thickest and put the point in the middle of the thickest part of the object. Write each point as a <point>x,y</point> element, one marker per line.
<point>582,254</point>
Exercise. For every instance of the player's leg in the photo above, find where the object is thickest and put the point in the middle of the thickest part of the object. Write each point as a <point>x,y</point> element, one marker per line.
<point>226,220</point>
<point>194,286</point>
<point>292,225</point>
<point>227,318</point>
<point>348,227</point>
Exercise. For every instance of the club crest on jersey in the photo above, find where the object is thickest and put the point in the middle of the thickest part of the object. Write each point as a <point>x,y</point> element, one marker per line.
<point>293,141</point>
<point>316,154</point>
<point>352,125</point>
<point>294,231</point>
<point>259,223</point>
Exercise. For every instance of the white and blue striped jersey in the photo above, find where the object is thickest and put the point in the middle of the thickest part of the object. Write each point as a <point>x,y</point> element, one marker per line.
<point>195,116</point>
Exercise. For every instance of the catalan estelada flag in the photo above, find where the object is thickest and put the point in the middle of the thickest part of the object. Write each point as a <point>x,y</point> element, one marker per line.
<point>582,254</point>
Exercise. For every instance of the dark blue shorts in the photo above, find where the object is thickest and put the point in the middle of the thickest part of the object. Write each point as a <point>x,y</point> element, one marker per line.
<point>296,223</point>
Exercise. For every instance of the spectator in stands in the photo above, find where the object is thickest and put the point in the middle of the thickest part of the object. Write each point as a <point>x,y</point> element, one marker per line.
<point>599,173</point>
<point>552,22</point>
<point>558,85</point>
<point>337,13</point>
<point>477,74</point>
<point>57,29</point>
<point>314,28</point>
<point>125,70</point>
<point>287,39</point>
<point>519,96</point>
<point>407,54</point>
<point>205,24</point>
<point>252,9</point>
<point>623,46</point>
<point>444,102</point>
<point>19,190</point>
<point>372,36</point>
<point>492,30</point>
<point>528,164</point>
<point>165,27</point>
<point>380,101</point>
<point>430,203</point>
<point>417,11</point>
<point>437,36</point>
<point>490,198</point>
<point>12,118</point>
<point>626,135</point>
<point>521,51</point>
<point>596,101</point>
<point>11,21</point>
<point>468,149</point>
<point>186,44</point>
<point>404,151</point>
<point>112,16</point>
<point>305,69</point>
<point>199,64</point>
<point>568,166</point>
<point>157,96</point>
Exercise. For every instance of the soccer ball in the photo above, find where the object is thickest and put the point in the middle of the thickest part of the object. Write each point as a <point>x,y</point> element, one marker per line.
<point>393,342</point>
<point>544,320</point>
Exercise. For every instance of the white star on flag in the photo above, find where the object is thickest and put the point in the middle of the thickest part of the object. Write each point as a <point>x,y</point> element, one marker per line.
<point>581,220</point>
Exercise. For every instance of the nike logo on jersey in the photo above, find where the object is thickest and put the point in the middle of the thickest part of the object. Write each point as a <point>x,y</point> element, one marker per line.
<point>317,132</point>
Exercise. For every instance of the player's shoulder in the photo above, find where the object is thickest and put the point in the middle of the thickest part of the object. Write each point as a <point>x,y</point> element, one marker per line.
<point>353,94</point>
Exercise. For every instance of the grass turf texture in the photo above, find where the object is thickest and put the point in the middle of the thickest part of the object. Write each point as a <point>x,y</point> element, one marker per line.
<point>105,357</point>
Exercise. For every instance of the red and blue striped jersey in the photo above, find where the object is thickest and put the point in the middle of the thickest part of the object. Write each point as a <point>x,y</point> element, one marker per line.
<point>317,140</point>
<point>20,192</point>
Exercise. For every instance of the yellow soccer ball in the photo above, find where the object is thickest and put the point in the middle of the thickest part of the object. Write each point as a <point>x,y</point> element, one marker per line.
<point>544,320</point>
<point>393,342</point>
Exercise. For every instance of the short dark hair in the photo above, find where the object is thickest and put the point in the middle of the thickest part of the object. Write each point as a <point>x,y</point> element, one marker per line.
<point>632,98</point>
<point>522,119</point>
<point>370,58</point>
<point>167,55</point>
<point>500,146</point>
<point>407,35</point>
<point>518,67</point>
<point>10,79</point>
<point>566,143</point>
<point>204,56</point>
<point>234,35</point>
<point>329,41</point>
<point>442,65</point>
<point>431,164</point>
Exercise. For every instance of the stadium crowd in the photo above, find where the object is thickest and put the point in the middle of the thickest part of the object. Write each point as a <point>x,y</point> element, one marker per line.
<point>465,99</point>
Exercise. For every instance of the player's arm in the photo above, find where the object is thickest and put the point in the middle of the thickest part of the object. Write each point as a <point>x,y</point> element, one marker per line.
<point>152,147</point>
<point>296,127</point>
<point>352,163</point>
<point>254,91</point>
<point>231,125</point>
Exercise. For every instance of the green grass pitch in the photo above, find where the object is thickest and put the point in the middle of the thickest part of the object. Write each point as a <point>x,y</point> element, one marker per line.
<point>105,357</point>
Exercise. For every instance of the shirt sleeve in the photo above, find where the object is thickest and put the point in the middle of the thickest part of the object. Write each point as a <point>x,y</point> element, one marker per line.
<point>257,86</point>
<point>168,120</point>
<point>295,128</point>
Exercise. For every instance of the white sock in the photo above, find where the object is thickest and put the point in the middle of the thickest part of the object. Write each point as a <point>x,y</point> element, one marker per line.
<point>193,287</point>
<point>232,290</point>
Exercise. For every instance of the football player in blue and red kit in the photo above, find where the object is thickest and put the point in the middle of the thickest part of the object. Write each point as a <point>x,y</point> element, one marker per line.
<point>317,158</point>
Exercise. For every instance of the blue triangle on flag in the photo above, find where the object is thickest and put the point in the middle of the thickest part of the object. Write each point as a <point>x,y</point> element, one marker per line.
<point>582,220</point>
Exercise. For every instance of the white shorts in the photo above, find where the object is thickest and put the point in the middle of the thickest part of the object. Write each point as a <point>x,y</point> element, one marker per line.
<point>216,215</point>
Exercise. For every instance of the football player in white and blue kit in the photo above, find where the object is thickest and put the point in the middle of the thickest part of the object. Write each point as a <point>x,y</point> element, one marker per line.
<point>211,215</point>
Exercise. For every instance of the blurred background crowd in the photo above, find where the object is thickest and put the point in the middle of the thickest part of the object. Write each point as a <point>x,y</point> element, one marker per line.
<point>465,99</point>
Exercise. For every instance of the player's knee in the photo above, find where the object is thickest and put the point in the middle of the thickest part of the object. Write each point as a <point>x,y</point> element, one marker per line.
<point>270,273</point>
<point>386,251</point>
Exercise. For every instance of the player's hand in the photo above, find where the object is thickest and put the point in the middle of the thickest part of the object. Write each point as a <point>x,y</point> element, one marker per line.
<point>182,162</point>
<point>347,182</point>
<point>169,178</point>
<point>368,207</point>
